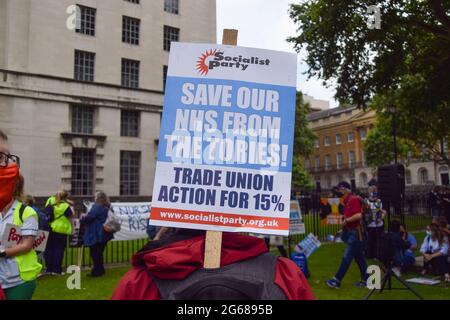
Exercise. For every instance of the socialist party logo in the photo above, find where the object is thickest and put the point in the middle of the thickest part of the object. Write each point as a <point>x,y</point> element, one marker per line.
<point>213,59</point>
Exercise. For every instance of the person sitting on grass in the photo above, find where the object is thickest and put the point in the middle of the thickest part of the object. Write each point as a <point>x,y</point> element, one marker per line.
<point>408,256</point>
<point>443,225</point>
<point>434,250</point>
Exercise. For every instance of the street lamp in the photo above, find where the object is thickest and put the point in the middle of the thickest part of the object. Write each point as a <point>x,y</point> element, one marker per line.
<point>393,112</point>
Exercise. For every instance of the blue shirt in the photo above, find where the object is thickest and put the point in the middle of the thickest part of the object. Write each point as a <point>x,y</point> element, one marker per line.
<point>94,221</point>
<point>412,242</point>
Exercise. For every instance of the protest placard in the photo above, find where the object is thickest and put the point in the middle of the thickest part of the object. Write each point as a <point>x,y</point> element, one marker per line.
<point>13,235</point>
<point>308,245</point>
<point>331,210</point>
<point>134,217</point>
<point>225,151</point>
<point>296,225</point>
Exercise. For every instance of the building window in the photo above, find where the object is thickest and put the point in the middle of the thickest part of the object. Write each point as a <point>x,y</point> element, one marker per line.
<point>84,65</point>
<point>408,179</point>
<point>326,141</point>
<point>327,162</point>
<point>317,143</point>
<point>338,139</point>
<point>363,157</point>
<point>82,119</point>
<point>351,159</point>
<point>83,162</point>
<point>350,137</point>
<point>87,20</point>
<point>130,73</point>
<point>134,1</point>
<point>170,34</point>
<point>423,176</point>
<point>363,133</point>
<point>130,30</point>
<point>329,182</point>
<point>130,167</point>
<point>307,164</point>
<point>444,146</point>
<point>317,162</point>
<point>171,6</point>
<point>130,123</point>
<point>363,179</point>
<point>339,160</point>
<point>164,77</point>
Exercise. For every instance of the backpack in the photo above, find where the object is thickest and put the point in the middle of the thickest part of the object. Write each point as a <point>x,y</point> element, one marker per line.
<point>301,261</point>
<point>251,279</point>
<point>43,223</point>
<point>366,212</point>
<point>112,223</point>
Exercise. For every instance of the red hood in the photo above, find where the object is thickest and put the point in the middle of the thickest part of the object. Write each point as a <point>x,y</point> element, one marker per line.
<point>178,260</point>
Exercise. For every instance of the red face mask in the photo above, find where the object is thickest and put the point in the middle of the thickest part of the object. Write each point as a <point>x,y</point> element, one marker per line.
<point>8,180</point>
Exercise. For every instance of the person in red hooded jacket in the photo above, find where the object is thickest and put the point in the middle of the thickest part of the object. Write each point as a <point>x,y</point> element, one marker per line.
<point>165,268</point>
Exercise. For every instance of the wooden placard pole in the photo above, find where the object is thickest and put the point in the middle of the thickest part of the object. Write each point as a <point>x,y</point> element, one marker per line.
<point>213,240</point>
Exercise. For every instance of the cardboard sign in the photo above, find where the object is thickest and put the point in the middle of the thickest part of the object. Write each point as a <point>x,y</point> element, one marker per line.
<point>331,210</point>
<point>296,225</point>
<point>225,150</point>
<point>134,217</point>
<point>12,236</point>
<point>308,245</point>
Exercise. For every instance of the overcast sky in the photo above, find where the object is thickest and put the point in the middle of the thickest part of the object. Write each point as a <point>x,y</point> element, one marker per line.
<point>266,24</point>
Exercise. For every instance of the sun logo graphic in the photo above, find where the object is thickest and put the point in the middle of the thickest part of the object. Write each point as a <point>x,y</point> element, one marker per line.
<point>202,65</point>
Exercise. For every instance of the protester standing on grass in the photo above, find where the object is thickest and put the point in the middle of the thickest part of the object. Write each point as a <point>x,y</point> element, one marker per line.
<point>435,201</point>
<point>19,266</point>
<point>375,222</point>
<point>59,210</point>
<point>353,236</point>
<point>95,236</point>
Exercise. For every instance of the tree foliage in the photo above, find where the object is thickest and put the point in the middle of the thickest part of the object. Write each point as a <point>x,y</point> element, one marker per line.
<point>405,63</point>
<point>303,144</point>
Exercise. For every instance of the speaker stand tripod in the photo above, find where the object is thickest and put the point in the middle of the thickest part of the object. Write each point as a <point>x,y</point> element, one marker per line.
<point>387,279</point>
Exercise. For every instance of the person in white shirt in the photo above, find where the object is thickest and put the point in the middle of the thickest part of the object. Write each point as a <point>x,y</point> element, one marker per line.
<point>434,250</point>
<point>375,222</point>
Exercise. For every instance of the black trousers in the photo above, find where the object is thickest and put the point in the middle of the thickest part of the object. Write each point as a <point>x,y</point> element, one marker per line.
<point>96,251</point>
<point>439,265</point>
<point>282,250</point>
<point>373,234</point>
<point>54,252</point>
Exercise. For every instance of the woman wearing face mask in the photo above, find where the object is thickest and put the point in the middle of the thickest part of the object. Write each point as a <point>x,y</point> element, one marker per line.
<point>434,250</point>
<point>19,265</point>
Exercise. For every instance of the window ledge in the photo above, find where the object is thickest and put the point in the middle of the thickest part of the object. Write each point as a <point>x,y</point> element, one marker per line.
<point>70,135</point>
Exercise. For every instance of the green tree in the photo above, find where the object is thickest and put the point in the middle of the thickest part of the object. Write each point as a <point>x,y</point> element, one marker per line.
<point>303,144</point>
<point>379,145</point>
<point>404,64</point>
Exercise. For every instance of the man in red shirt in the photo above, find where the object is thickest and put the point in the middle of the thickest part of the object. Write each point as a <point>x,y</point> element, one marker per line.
<point>353,237</point>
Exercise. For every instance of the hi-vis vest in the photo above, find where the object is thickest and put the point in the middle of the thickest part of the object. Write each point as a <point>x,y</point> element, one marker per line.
<point>28,264</point>
<point>60,224</point>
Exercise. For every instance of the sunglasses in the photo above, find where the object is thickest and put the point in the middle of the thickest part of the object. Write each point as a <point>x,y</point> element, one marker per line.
<point>6,159</point>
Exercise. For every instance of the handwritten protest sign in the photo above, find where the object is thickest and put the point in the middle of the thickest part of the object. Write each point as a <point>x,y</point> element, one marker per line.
<point>13,235</point>
<point>134,217</point>
<point>225,152</point>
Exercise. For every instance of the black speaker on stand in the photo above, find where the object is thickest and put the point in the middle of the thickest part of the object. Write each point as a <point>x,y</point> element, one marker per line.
<point>391,191</point>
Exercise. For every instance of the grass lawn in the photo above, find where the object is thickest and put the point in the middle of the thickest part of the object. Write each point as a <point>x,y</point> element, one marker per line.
<point>322,264</point>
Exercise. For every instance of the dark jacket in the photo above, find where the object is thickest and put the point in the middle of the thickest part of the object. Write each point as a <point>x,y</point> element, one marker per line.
<point>178,256</point>
<point>93,224</point>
